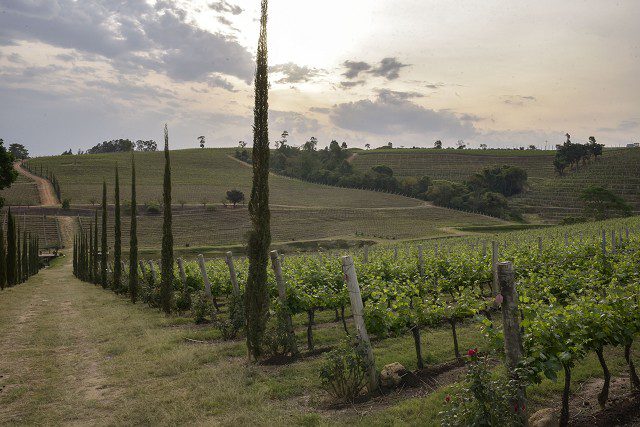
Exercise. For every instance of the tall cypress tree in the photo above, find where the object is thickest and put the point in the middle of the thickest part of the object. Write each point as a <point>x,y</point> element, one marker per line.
<point>103,246</point>
<point>91,255</point>
<point>166,286</point>
<point>133,236</point>
<point>25,256</point>
<point>93,267</point>
<point>256,294</point>
<point>12,271</point>
<point>75,256</point>
<point>18,256</point>
<point>117,240</point>
<point>3,260</point>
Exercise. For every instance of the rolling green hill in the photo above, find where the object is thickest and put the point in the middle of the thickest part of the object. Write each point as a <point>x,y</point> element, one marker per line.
<point>549,195</point>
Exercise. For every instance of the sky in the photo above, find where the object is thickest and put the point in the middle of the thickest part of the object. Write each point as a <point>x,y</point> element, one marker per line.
<point>505,73</point>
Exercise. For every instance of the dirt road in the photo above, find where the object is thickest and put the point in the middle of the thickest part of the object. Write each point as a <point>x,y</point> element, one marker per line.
<point>45,189</point>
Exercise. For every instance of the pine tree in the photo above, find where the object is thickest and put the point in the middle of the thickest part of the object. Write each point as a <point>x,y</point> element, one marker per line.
<point>91,277</point>
<point>256,294</point>
<point>133,243</point>
<point>75,256</point>
<point>93,267</point>
<point>18,257</point>
<point>25,256</point>
<point>3,260</point>
<point>166,286</point>
<point>103,246</point>
<point>117,243</point>
<point>12,271</point>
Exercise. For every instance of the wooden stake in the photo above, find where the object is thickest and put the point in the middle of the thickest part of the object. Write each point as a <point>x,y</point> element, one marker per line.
<point>183,275</point>
<point>494,267</point>
<point>205,278</point>
<point>357,309</point>
<point>420,261</point>
<point>232,274</point>
<point>282,296</point>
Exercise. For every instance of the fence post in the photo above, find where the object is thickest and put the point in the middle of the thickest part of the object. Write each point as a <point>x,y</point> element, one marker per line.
<point>366,254</point>
<point>357,310</point>
<point>604,243</point>
<point>420,261</point>
<point>566,239</point>
<point>484,248</point>
<point>282,296</point>
<point>183,275</point>
<point>395,252</point>
<point>494,267</point>
<point>511,325</point>
<point>154,275</point>
<point>626,231</point>
<point>540,246</point>
<point>232,274</point>
<point>613,241</point>
<point>205,278</point>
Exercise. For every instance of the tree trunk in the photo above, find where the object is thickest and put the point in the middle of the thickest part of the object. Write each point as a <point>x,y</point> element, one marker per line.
<point>564,414</point>
<point>310,316</point>
<point>604,393</point>
<point>635,381</point>
<point>456,350</point>
<point>344,322</point>
<point>416,340</point>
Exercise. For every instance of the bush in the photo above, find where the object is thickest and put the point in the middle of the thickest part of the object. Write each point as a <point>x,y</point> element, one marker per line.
<point>66,204</point>
<point>483,401</point>
<point>276,337</point>
<point>231,327</point>
<point>152,208</point>
<point>343,373</point>
<point>202,307</point>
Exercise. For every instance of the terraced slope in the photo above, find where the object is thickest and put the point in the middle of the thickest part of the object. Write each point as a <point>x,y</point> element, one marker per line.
<point>23,192</point>
<point>46,227</point>
<point>198,175</point>
<point>549,195</point>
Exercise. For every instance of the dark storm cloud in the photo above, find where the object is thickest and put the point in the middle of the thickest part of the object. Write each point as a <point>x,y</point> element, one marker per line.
<point>391,113</point>
<point>133,36</point>
<point>223,6</point>
<point>294,73</point>
<point>389,68</point>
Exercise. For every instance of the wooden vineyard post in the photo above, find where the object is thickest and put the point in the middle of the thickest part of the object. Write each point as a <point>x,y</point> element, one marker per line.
<point>540,246</point>
<point>366,254</point>
<point>626,232</point>
<point>420,261</point>
<point>613,241</point>
<point>566,239</point>
<point>153,272</point>
<point>357,309</point>
<point>232,274</point>
<point>183,275</point>
<point>395,252</point>
<point>604,243</point>
<point>511,324</point>
<point>484,248</point>
<point>282,297</point>
<point>205,278</point>
<point>494,267</point>
<point>142,270</point>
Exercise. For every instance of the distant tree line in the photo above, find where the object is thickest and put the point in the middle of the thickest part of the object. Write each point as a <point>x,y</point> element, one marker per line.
<point>485,192</point>
<point>571,154</point>
<point>119,146</point>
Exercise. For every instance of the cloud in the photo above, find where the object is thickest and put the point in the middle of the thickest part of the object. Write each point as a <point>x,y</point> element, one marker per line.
<point>354,68</point>
<point>349,85</point>
<point>16,58</point>
<point>65,57</point>
<point>434,86</point>
<point>518,100</point>
<point>470,118</point>
<point>388,94</point>
<point>292,122</point>
<point>388,68</point>
<point>392,113</point>
<point>223,6</point>
<point>294,73</point>
<point>623,126</point>
<point>221,82</point>
<point>320,110</point>
<point>133,36</point>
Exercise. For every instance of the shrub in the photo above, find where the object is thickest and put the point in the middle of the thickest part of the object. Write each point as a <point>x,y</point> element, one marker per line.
<point>66,204</point>
<point>343,373</point>
<point>276,337</point>
<point>231,327</point>
<point>152,208</point>
<point>202,307</point>
<point>482,401</point>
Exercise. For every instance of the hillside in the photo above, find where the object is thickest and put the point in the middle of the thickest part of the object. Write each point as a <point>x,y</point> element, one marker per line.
<point>549,195</point>
<point>197,175</point>
<point>303,214</point>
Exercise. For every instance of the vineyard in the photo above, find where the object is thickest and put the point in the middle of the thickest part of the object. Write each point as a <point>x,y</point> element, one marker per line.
<point>577,295</point>
<point>550,196</point>
<point>46,227</point>
<point>23,192</point>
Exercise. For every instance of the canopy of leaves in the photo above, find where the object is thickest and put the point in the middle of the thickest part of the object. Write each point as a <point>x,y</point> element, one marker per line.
<point>601,203</point>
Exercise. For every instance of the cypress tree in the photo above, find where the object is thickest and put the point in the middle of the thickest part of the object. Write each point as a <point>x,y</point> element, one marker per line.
<point>166,284</point>
<point>3,260</point>
<point>18,257</point>
<point>103,246</point>
<point>90,274</point>
<point>25,256</point>
<point>117,244</point>
<point>93,267</point>
<point>12,272</point>
<point>75,256</point>
<point>133,242</point>
<point>256,294</point>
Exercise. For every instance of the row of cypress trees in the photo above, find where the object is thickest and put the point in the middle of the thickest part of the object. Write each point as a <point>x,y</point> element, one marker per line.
<point>19,260</point>
<point>91,264</point>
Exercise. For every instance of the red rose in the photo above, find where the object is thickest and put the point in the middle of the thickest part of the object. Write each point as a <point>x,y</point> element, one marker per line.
<point>447,398</point>
<point>472,352</point>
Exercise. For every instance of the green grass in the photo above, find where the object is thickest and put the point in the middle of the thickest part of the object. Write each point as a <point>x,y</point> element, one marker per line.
<point>74,353</point>
<point>197,175</point>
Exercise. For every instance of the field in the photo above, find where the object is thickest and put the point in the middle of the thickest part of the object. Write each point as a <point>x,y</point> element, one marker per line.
<point>549,195</point>
<point>198,175</point>
<point>23,192</point>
